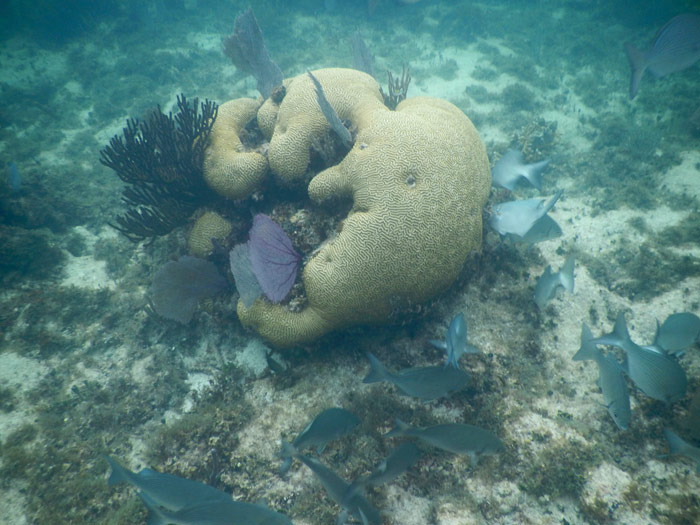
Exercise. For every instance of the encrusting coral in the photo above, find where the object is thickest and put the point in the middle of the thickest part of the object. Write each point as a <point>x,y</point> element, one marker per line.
<point>229,169</point>
<point>419,178</point>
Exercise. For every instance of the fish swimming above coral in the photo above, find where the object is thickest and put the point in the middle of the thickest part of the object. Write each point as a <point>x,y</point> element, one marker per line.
<point>326,426</point>
<point>610,379</point>
<point>676,46</point>
<point>655,373</point>
<point>354,504</point>
<point>426,383</point>
<point>516,218</point>
<point>455,344</point>
<point>458,438</point>
<point>549,282</point>
<point>680,447</point>
<point>511,168</point>
<point>678,332</point>
<point>223,512</point>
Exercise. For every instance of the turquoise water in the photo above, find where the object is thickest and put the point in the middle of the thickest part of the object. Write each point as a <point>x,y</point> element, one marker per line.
<point>88,368</point>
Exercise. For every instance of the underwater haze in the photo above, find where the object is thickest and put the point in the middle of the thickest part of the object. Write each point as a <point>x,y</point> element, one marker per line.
<point>144,319</point>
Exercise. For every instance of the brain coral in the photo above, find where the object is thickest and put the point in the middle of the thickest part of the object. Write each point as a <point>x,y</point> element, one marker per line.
<point>418,176</point>
<point>229,169</point>
<point>210,225</point>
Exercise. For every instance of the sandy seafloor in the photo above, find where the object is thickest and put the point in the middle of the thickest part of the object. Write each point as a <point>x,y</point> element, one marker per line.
<point>85,371</point>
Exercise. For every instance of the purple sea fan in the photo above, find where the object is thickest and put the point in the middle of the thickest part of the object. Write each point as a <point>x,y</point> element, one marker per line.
<point>272,257</point>
<point>179,285</point>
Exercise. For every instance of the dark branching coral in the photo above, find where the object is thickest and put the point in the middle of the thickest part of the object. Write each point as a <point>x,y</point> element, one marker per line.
<point>398,87</point>
<point>161,160</point>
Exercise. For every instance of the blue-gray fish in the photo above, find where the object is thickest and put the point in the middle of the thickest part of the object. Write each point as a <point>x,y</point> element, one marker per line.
<point>678,332</point>
<point>458,438</point>
<point>426,383</point>
<point>544,229</point>
<point>588,349</point>
<point>682,448</point>
<point>676,46</point>
<point>549,282</point>
<point>511,167</point>
<point>223,512</point>
<point>169,491</point>
<point>614,388</point>
<point>455,344</point>
<point>326,426</point>
<point>518,217</point>
<point>399,461</point>
<point>655,373</point>
<point>337,488</point>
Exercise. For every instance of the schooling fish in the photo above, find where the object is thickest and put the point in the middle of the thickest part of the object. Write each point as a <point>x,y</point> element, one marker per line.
<point>518,217</point>
<point>337,488</point>
<point>458,438</point>
<point>549,282</point>
<point>327,426</point>
<point>224,512</point>
<point>399,461</point>
<point>653,372</point>
<point>511,167</point>
<point>455,344</point>
<point>678,332</point>
<point>426,383</point>
<point>676,46</point>
<point>544,229</point>
<point>588,349</point>
<point>680,447</point>
<point>169,491</point>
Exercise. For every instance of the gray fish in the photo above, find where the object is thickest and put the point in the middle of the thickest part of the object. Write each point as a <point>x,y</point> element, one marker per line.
<point>455,344</point>
<point>399,461</point>
<point>588,349</point>
<point>426,383</point>
<point>458,438</point>
<point>682,448</point>
<point>678,332</point>
<point>549,282</point>
<point>166,490</point>
<point>653,372</point>
<point>224,512</point>
<point>511,167</point>
<point>337,488</point>
<point>676,46</point>
<point>544,229</point>
<point>518,217</point>
<point>614,387</point>
<point>326,426</point>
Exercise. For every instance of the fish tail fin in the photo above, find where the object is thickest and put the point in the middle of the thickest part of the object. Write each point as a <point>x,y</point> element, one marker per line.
<point>566,274</point>
<point>378,371</point>
<point>638,64</point>
<point>399,429</point>
<point>118,474</point>
<point>533,173</point>
<point>620,329</point>
<point>588,349</point>
<point>551,202</point>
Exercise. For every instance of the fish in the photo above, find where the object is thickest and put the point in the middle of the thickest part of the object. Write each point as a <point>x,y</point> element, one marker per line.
<point>544,229</point>
<point>458,438</point>
<point>455,344</point>
<point>614,388</point>
<point>680,447</point>
<point>655,373</point>
<point>399,461</point>
<point>675,47</point>
<point>165,490</point>
<point>588,349</point>
<point>511,167</point>
<point>223,512</point>
<point>426,383</point>
<point>326,426</point>
<point>678,332</point>
<point>518,217</point>
<point>549,282</point>
<point>15,179</point>
<point>355,505</point>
